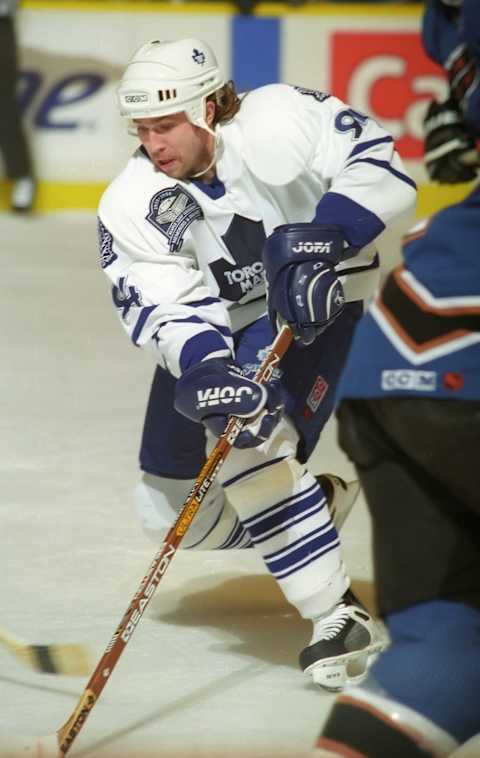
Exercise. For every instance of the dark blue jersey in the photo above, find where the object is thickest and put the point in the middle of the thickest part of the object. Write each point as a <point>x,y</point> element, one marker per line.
<point>421,335</point>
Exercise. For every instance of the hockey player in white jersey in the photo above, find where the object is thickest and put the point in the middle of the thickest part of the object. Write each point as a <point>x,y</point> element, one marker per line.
<point>283,185</point>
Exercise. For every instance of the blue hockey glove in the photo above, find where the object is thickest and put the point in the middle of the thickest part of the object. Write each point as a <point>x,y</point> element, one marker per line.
<point>447,142</point>
<point>303,288</point>
<point>212,390</point>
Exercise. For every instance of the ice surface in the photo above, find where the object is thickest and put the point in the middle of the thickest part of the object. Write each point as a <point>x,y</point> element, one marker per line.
<point>211,670</point>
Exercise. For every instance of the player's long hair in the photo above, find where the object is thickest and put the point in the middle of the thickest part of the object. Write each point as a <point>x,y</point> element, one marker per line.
<point>227,103</point>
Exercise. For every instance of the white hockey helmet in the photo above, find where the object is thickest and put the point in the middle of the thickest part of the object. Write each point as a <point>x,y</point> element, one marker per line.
<point>165,77</point>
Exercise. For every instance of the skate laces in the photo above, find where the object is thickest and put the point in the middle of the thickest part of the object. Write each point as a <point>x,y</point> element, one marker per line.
<point>331,626</point>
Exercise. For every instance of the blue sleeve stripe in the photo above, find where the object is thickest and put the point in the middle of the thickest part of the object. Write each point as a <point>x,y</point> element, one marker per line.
<point>224,330</point>
<point>205,301</point>
<point>388,167</point>
<point>367,145</point>
<point>198,347</point>
<point>360,225</point>
<point>144,314</point>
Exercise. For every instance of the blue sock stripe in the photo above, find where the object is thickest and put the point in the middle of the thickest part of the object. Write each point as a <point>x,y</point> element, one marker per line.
<point>285,549</point>
<point>238,542</point>
<point>308,549</point>
<point>234,537</point>
<point>230,535</point>
<point>271,510</point>
<point>308,560</point>
<point>292,522</point>
<point>199,542</point>
<point>250,471</point>
<point>283,515</point>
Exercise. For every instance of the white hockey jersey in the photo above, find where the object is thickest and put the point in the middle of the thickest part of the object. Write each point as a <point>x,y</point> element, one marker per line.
<point>184,257</point>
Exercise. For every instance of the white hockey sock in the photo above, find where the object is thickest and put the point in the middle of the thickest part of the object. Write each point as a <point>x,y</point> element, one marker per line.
<point>286,514</point>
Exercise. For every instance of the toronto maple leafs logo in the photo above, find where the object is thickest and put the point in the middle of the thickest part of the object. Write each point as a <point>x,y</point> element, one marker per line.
<point>172,211</point>
<point>245,277</point>
<point>198,56</point>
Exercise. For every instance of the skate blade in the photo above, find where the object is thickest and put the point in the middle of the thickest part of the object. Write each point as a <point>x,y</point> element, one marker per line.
<point>335,675</point>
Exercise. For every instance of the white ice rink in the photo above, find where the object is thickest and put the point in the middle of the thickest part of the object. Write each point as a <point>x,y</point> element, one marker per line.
<point>211,671</point>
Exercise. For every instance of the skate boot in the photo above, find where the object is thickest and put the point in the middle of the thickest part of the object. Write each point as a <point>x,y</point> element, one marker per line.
<point>345,642</point>
<point>340,495</point>
<point>22,195</point>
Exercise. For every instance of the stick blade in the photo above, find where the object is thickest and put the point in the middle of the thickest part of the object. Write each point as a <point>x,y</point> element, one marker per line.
<point>68,659</point>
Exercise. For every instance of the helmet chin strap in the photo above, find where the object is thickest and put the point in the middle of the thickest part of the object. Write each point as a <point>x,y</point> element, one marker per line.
<point>214,157</point>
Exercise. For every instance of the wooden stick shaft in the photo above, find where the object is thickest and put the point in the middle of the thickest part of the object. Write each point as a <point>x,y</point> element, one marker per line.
<point>69,731</point>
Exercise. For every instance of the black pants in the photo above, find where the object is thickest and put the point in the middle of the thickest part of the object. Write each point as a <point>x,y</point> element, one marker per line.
<point>419,464</point>
<point>13,145</point>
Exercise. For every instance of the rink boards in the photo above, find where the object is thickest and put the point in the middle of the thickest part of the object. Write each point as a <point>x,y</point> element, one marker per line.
<point>73,53</point>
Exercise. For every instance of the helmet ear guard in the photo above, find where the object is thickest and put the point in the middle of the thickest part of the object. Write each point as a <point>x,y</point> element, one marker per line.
<point>166,77</point>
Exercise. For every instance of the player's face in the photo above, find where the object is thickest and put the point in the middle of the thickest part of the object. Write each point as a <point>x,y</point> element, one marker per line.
<point>175,145</point>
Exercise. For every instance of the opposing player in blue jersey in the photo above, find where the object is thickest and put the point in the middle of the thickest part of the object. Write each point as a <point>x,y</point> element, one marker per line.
<point>218,181</point>
<point>409,418</point>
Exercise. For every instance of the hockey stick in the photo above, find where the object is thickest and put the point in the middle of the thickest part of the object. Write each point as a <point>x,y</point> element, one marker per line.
<point>66,735</point>
<point>70,660</point>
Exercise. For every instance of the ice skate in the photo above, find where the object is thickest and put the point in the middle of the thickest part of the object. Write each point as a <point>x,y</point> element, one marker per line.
<point>341,496</point>
<point>23,194</point>
<point>344,643</point>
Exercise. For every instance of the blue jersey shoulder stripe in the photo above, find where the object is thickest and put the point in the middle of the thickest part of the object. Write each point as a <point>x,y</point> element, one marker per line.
<point>367,145</point>
<point>224,330</point>
<point>388,167</point>
<point>205,301</point>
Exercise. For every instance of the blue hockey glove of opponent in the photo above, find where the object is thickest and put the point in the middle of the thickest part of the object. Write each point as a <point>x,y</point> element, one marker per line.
<point>303,288</point>
<point>212,390</point>
<point>448,142</point>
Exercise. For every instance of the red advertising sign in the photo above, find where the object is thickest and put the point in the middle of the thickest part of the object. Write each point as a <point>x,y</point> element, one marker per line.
<point>387,75</point>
